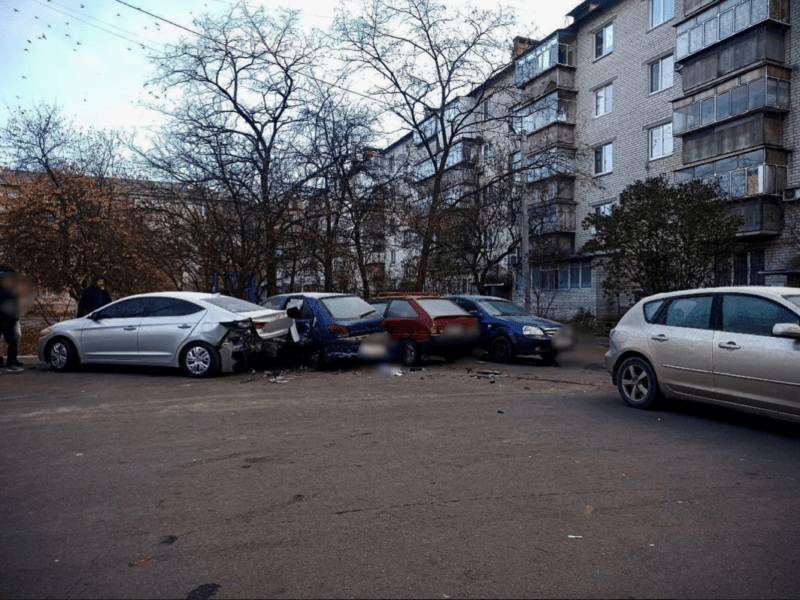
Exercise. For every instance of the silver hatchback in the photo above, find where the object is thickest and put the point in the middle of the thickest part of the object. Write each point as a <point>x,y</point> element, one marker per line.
<point>733,346</point>
<point>189,330</point>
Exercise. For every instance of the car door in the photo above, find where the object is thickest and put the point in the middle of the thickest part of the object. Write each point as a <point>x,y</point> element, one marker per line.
<point>403,320</point>
<point>680,345</point>
<point>750,364</point>
<point>167,323</point>
<point>305,322</point>
<point>111,336</point>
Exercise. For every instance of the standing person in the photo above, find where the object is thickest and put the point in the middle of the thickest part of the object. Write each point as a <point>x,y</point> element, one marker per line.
<point>9,318</point>
<point>94,296</point>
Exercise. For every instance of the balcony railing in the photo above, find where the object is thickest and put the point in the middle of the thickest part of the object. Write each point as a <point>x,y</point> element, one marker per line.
<point>545,111</point>
<point>547,55</point>
<point>765,91</point>
<point>724,20</point>
<point>739,176</point>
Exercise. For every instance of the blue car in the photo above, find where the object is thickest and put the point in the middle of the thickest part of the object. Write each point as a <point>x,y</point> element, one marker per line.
<point>330,326</point>
<point>507,330</point>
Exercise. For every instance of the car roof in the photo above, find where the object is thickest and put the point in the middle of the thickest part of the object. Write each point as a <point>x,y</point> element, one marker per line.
<point>315,295</point>
<point>477,297</point>
<point>763,290</point>
<point>181,295</point>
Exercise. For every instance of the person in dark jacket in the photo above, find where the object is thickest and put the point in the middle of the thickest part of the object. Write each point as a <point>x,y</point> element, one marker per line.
<point>94,296</point>
<point>9,318</point>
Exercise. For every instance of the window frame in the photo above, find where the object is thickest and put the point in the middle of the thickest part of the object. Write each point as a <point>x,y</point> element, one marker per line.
<point>660,129</point>
<point>605,158</point>
<point>661,71</point>
<point>725,295</point>
<point>604,95</point>
<point>664,17</point>
<point>606,47</point>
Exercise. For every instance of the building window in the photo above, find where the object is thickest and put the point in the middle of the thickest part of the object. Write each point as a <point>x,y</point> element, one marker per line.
<point>603,159</point>
<point>394,256</point>
<point>603,100</point>
<point>488,107</point>
<point>516,166</point>
<point>661,141</point>
<point>661,74</point>
<point>744,270</point>
<point>660,11</point>
<point>488,153</point>
<point>573,275</point>
<point>604,41</point>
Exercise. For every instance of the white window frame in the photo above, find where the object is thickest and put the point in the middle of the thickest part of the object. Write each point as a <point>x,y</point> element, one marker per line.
<point>607,158</point>
<point>665,13</point>
<point>488,153</point>
<point>657,141</point>
<point>664,83</point>
<point>607,35</point>
<point>604,100</point>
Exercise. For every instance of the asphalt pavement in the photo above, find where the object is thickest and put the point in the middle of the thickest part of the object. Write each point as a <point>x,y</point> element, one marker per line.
<point>441,483</point>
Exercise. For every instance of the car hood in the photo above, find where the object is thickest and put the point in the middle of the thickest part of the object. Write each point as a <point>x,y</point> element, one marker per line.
<point>530,320</point>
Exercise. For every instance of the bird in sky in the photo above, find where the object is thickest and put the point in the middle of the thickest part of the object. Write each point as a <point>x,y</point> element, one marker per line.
<point>78,43</point>
<point>82,6</point>
<point>30,42</point>
<point>15,10</point>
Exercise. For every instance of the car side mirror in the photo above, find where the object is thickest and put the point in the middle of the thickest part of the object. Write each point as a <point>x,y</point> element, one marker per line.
<point>293,312</point>
<point>96,315</point>
<point>787,330</point>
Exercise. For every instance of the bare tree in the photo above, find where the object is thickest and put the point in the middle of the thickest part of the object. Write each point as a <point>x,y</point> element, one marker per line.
<point>244,85</point>
<point>428,60</point>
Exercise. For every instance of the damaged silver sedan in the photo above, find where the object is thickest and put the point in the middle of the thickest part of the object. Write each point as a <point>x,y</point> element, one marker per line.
<point>189,330</point>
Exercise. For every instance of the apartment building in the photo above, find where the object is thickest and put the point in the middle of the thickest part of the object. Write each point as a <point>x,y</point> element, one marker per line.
<point>639,88</point>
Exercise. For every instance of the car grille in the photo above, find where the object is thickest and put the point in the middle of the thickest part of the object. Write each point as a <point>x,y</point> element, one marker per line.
<point>550,331</point>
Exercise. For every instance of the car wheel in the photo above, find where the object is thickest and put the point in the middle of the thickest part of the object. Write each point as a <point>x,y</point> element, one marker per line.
<point>199,359</point>
<point>410,352</point>
<point>501,350</point>
<point>637,383</point>
<point>62,355</point>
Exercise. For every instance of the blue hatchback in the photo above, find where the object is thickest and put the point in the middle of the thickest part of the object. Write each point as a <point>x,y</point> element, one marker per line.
<point>330,326</point>
<point>507,330</point>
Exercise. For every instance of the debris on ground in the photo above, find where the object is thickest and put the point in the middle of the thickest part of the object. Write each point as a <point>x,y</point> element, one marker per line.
<point>140,561</point>
<point>575,537</point>
<point>490,375</point>
<point>589,510</point>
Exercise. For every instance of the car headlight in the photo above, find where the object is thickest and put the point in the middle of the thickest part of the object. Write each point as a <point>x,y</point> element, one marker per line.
<point>45,331</point>
<point>531,330</point>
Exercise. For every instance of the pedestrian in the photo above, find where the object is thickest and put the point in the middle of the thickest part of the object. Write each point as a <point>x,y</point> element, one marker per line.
<point>94,296</point>
<point>9,319</point>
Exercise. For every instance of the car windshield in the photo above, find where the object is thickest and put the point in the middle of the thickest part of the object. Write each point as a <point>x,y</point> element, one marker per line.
<point>794,299</point>
<point>348,307</point>
<point>439,307</point>
<point>502,308</point>
<point>233,304</point>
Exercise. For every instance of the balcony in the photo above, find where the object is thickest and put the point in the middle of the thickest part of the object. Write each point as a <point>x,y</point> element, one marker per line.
<point>726,102</point>
<point>547,219</point>
<point>461,156</point>
<point>545,56</point>
<point>724,20</point>
<point>761,216</point>
<point>550,163</point>
<point>742,176</point>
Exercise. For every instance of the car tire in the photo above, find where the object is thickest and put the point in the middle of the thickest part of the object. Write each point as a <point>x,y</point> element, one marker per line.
<point>199,359</point>
<point>62,355</point>
<point>637,383</point>
<point>410,352</point>
<point>501,350</point>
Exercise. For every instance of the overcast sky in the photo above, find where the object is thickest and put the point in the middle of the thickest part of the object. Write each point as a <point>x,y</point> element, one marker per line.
<point>90,56</point>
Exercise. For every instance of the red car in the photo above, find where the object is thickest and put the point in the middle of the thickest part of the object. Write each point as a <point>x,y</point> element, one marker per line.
<point>422,321</point>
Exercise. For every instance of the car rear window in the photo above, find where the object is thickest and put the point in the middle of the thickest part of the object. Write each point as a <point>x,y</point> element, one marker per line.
<point>440,307</point>
<point>233,304</point>
<point>501,308</point>
<point>650,310</point>
<point>348,307</point>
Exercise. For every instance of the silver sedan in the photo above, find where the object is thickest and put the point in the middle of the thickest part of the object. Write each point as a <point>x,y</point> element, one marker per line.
<point>174,329</point>
<point>734,346</point>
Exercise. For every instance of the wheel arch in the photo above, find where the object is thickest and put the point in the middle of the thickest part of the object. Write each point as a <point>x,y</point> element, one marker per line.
<point>625,356</point>
<point>59,336</point>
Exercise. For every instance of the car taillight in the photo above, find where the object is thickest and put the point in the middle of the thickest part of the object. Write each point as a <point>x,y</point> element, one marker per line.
<point>340,329</point>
